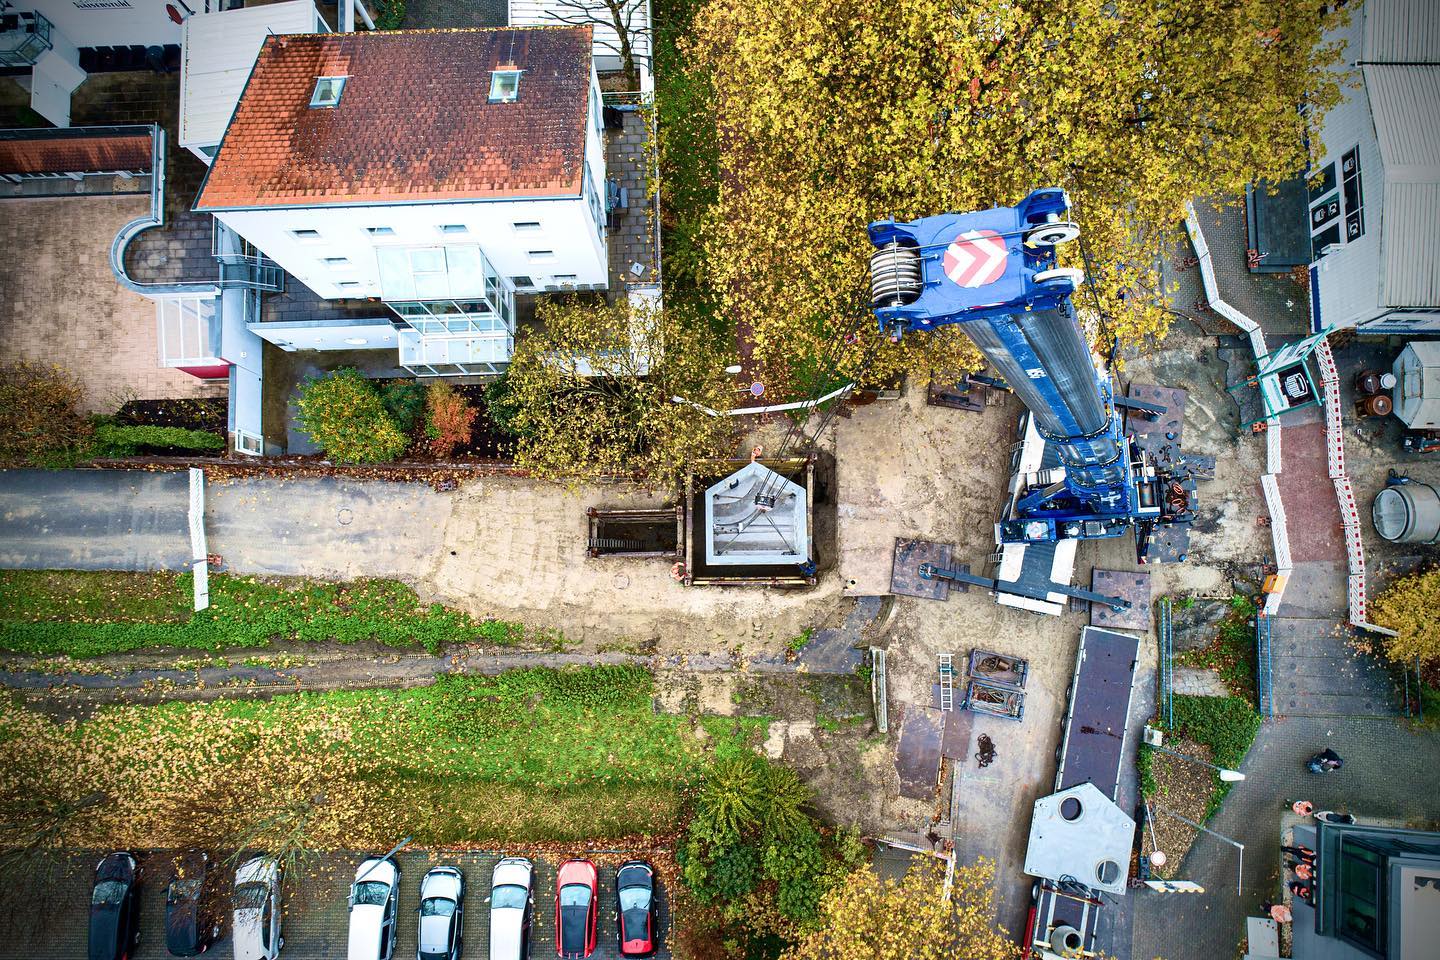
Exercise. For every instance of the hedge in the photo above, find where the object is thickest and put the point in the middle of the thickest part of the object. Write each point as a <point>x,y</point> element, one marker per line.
<point>114,440</point>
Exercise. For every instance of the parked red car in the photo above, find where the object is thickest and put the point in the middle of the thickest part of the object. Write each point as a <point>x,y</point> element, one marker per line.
<point>577,895</point>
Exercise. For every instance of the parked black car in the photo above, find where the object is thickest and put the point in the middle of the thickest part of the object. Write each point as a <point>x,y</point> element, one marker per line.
<point>192,924</point>
<point>114,908</point>
<point>635,908</point>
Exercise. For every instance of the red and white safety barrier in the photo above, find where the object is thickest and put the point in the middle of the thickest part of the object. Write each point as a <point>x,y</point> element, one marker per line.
<point>1344,492</point>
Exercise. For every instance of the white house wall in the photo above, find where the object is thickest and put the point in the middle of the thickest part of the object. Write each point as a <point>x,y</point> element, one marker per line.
<point>1349,276</point>
<point>372,334</point>
<point>110,23</point>
<point>548,13</point>
<point>566,227</point>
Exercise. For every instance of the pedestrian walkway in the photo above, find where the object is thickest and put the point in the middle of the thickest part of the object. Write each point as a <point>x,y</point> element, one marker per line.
<point>1318,674</point>
<point>1389,773</point>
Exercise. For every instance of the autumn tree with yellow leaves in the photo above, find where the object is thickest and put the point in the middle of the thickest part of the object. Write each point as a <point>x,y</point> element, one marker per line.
<point>869,918</point>
<point>836,114</point>
<point>1411,605</point>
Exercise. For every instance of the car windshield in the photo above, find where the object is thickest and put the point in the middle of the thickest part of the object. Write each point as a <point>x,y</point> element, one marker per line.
<point>575,895</point>
<point>634,898</point>
<point>509,895</point>
<point>437,907</point>
<point>108,893</point>
<point>371,893</point>
<point>184,888</point>
<point>251,896</point>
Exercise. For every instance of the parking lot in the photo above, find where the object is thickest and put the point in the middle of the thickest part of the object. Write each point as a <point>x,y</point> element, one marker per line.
<point>43,911</point>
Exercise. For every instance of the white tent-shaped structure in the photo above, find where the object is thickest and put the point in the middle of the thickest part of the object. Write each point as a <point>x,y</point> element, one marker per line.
<point>756,516</point>
<point>1417,385</point>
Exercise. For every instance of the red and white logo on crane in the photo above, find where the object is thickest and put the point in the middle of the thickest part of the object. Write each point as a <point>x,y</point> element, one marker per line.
<point>975,258</point>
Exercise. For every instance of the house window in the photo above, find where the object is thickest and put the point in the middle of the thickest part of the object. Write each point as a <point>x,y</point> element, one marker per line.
<point>348,284</point>
<point>306,235</point>
<point>1361,904</point>
<point>523,281</point>
<point>380,231</point>
<point>337,262</point>
<point>1354,199</point>
<point>541,256</point>
<point>526,226</point>
<point>327,91</point>
<point>453,228</point>
<point>564,278</point>
<point>504,86</point>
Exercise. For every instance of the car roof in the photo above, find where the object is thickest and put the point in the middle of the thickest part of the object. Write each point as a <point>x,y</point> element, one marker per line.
<point>246,934</point>
<point>365,932</point>
<point>444,884</point>
<point>506,927</point>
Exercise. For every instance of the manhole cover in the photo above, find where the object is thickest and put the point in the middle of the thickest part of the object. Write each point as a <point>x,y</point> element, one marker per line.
<point>621,581</point>
<point>345,516</point>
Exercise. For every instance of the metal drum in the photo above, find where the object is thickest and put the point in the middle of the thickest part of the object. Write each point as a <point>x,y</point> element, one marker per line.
<point>1407,513</point>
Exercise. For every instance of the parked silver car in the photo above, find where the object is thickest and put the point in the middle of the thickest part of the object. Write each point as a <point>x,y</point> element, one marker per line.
<point>442,914</point>
<point>256,923</point>
<point>511,900</point>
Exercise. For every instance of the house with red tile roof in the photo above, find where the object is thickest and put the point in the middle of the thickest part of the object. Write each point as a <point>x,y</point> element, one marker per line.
<point>438,172</point>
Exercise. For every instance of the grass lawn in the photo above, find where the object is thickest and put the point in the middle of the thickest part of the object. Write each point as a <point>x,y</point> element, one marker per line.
<point>1227,725</point>
<point>92,613</point>
<point>528,756</point>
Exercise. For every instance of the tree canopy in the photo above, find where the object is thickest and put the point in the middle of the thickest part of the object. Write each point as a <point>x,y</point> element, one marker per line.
<point>867,918</point>
<point>590,392</point>
<point>1411,605</point>
<point>836,114</point>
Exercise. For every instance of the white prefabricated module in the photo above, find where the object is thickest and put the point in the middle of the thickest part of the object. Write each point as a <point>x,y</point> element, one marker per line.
<point>756,517</point>
<point>1417,388</point>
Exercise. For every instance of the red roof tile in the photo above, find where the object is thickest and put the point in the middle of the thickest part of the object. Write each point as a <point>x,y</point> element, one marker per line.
<point>414,122</point>
<point>46,153</point>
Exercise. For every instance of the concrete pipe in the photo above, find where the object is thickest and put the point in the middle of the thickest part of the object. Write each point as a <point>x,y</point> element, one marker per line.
<point>1407,513</point>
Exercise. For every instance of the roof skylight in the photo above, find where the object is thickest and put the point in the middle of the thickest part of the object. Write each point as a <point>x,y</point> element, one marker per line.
<point>504,86</point>
<point>327,91</point>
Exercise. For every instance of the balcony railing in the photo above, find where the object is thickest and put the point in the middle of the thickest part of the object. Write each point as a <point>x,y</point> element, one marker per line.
<point>24,37</point>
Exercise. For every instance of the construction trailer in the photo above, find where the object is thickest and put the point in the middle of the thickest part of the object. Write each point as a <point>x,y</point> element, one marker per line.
<point>1080,838</point>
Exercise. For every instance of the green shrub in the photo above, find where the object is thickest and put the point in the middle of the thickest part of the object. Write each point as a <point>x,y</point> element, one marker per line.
<point>390,15</point>
<point>405,402</point>
<point>1227,725</point>
<point>40,419</point>
<point>345,415</point>
<point>114,440</point>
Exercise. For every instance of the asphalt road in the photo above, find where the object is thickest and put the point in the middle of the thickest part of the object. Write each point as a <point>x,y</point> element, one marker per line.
<point>134,520</point>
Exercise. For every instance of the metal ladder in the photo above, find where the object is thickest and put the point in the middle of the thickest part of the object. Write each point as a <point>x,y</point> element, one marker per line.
<point>1264,683</point>
<point>947,682</point>
<point>1167,665</point>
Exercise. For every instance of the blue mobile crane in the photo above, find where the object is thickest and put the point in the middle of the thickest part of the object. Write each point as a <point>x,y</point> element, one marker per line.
<point>1077,476</point>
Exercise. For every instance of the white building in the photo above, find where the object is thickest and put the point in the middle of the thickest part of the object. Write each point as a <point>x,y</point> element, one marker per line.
<point>1375,217</point>
<point>436,171</point>
<point>634,17</point>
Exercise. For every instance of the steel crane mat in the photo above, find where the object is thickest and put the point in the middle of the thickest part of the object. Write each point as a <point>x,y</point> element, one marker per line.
<point>905,579</point>
<point>917,752</point>
<point>1127,585</point>
<point>1152,436</point>
<point>1169,544</point>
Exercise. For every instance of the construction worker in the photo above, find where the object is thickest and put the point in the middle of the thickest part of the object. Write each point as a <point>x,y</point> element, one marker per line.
<point>1302,870</point>
<point>1303,808</point>
<point>1302,853</point>
<point>1299,889</point>
<point>1277,911</point>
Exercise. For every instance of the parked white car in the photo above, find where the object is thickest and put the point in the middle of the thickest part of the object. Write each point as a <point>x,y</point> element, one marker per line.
<point>510,902</point>
<point>256,924</point>
<point>374,899</point>
<point>442,914</point>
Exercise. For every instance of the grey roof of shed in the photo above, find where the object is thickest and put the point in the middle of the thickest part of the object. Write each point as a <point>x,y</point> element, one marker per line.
<point>1401,67</point>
